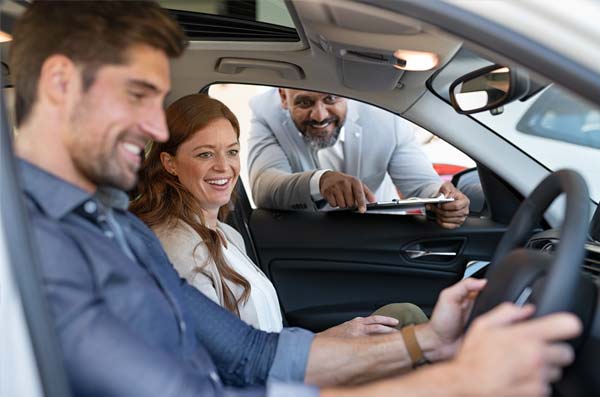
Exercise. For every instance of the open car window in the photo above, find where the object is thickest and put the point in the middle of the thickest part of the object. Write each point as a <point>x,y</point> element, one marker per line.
<point>447,161</point>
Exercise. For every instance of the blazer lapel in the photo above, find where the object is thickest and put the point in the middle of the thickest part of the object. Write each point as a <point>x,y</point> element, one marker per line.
<point>352,145</point>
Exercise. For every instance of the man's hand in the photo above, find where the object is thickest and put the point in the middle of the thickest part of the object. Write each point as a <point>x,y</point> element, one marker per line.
<point>509,356</point>
<point>451,215</point>
<point>362,326</point>
<point>345,191</point>
<point>441,336</point>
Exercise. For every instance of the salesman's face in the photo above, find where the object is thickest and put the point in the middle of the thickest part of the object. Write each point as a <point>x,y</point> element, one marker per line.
<point>319,117</point>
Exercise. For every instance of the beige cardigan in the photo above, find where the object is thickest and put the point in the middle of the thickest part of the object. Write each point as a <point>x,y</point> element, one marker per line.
<point>179,243</point>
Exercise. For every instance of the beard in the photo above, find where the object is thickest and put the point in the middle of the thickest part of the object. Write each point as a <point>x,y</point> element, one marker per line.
<point>95,154</point>
<point>317,141</point>
<point>102,165</point>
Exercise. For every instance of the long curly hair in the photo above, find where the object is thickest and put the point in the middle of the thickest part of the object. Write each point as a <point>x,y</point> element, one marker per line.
<point>161,200</point>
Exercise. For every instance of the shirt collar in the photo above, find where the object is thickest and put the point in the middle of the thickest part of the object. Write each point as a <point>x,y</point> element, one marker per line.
<point>57,197</point>
<point>342,135</point>
<point>112,197</point>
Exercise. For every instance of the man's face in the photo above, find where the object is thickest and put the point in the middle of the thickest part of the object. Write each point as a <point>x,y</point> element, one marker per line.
<point>319,117</point>
<point>117,116</point>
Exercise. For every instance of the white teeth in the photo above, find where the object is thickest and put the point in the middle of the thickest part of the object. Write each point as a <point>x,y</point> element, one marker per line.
<point>130,147</point>
<point>321,125</point>
<point>219,182</point>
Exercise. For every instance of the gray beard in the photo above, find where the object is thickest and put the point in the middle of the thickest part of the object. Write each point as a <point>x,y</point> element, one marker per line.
<point>318,143</point>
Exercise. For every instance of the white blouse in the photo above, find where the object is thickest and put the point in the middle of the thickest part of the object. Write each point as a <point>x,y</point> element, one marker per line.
<point>262,308</point>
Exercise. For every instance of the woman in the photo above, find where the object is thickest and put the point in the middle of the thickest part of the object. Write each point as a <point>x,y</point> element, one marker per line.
<point>185,188</point>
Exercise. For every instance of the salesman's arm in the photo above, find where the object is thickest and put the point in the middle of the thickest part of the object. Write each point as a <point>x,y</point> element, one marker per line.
<point>272,181</point>
<point>275,186</point>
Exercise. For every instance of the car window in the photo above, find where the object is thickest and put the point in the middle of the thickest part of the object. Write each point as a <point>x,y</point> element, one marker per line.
<point>560,116</point>
<point>446,159</point>
<point>556,128</point>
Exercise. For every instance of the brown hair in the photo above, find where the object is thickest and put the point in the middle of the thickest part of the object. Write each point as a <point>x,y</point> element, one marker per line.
<point>160,199</point>
<point>90,33</point>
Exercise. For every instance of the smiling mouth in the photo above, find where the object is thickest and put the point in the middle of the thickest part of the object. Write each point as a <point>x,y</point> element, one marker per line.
<point>321,125</point>
<point>132,148</point>
<point>132,153</point>
<point>218,182</point>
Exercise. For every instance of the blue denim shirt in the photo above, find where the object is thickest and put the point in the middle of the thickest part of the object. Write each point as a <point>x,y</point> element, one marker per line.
<point>128,325</point>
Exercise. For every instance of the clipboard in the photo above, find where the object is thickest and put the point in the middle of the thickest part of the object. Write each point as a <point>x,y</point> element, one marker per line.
<point>413,202</point>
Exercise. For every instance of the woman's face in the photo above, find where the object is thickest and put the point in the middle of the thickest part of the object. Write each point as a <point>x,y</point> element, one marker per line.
<point>208,164</point>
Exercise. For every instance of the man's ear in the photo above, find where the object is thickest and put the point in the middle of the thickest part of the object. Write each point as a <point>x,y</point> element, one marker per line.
<point>283,97</point>
<point>167,162</point>
<point>59,80</point>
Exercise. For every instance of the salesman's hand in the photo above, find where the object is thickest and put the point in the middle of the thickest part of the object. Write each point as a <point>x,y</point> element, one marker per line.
<point>451,215</point>
<point>345,191</point>
<point>442,335</point>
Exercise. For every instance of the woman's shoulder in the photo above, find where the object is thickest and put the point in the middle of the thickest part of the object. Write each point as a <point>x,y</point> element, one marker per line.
<point>176,234</point>
<point>232,235</point>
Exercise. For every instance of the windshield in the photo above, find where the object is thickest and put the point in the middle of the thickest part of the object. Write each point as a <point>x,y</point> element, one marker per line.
<point>555,127</point>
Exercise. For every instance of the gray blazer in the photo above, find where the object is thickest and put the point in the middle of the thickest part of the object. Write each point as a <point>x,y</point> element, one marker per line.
<point>376,143</point>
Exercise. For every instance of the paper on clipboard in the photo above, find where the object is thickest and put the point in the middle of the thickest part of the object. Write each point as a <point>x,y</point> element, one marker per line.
<point>413,202</point>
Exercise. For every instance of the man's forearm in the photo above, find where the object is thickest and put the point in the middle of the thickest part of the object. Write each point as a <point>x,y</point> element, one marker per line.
<point>441,379</point>
<point>343,361</point>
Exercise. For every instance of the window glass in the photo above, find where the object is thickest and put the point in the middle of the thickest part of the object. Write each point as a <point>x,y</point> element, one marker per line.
<point>560,116</point>
<point>555,127</point>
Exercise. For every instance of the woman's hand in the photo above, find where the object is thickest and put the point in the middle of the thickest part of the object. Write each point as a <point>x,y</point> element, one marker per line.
<point>361,326</point>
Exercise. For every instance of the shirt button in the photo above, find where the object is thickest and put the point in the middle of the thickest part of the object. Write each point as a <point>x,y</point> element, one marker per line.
<point>214,376</point>
<point>109,234</point>
<point>90,207</point>
<point>182,326</point>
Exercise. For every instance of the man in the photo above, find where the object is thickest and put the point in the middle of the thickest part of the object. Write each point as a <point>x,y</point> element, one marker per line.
<point>90,80</point>
<point>308,148</point>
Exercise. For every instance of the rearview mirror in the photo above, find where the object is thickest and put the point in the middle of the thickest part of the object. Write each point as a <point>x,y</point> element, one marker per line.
<point>487,88</point>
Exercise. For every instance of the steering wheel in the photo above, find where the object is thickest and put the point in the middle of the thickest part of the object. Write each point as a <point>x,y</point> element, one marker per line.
<point>548,280</point>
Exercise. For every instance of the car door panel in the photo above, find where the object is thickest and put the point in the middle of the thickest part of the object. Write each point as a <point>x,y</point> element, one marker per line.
<point>329,267</point>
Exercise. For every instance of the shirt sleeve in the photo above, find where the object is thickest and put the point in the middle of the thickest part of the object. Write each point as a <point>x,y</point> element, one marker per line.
<point>315,180</point>
<point>291,390</point>
<point>291,357</point>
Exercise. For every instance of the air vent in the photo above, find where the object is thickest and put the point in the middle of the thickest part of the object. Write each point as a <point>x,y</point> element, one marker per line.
<point>591,263</point>
<point>207,27</point>
<point>543,244</point>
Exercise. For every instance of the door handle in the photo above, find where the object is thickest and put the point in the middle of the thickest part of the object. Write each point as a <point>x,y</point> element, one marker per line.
<point>414,254</point>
